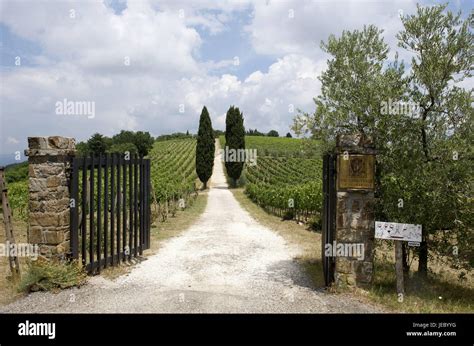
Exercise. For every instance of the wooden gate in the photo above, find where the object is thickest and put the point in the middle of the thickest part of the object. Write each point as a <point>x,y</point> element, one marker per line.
<point>110,209</point>
<point>329,214</point>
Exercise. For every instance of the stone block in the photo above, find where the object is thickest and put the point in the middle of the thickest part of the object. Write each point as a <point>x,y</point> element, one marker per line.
<point>58,142</point>
<point>364,271</point>
<point>63,218</point>
<point>355,205</point>
<point>37,143</point>
<point>343,265</point>
<point>35,235</point>
<point>351,280</point>
<point>55,181</point>
<point>44,219</point>
<point>64,247</point>
<point>53,237</point>
<point>37,184</point>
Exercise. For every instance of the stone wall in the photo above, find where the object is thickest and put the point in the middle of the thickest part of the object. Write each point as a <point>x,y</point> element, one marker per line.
<point>355,223</point>
<point>49,161</point>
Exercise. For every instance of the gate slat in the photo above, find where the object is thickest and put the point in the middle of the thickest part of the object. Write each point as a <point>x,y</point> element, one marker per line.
<point>106,208</point>
<point>112,209</point>
<point>147,202</point>
<point>135,208</point>
<point>124,210</point>
<point>84,212</point>
<point>141,205</point>
<point>91,212</point>
<point>99,210</point>
<point>119,204</point>
<point>130,208</point>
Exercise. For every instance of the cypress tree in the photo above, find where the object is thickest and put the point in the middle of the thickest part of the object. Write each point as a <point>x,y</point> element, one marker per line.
<point>234,141</point>
<point>205,148</point>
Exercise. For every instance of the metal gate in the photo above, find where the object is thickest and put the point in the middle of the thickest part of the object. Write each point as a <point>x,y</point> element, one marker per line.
<point>110,209</point>
<point>329,214</point>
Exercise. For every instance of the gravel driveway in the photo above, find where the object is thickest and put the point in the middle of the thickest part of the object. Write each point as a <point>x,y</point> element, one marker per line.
<point>225,262</point>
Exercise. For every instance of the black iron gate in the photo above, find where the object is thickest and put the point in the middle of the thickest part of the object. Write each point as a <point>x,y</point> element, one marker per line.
<point>110,209</point>
<point>329,214</point>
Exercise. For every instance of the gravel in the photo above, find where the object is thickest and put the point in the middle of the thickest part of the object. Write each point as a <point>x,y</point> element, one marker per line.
<point>225,263</point>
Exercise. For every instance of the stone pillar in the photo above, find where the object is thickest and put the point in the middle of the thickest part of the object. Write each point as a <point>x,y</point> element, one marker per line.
<point>49,161</point>
<point>355,224</point>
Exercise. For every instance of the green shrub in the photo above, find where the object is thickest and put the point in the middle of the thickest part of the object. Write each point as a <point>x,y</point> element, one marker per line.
<point>16,172</point>
<point>289,214</point>
<point>47,275</point>
<point>18,198</point>
<point>315,223</point>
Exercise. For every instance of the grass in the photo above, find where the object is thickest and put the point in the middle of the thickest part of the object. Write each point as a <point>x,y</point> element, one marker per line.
<point>51,275</point>
<point>8,287</point>
<point>440,292</point>
<point>295,234</point>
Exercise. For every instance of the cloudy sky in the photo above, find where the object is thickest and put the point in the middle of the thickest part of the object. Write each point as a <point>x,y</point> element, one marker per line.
<point>152,65</point>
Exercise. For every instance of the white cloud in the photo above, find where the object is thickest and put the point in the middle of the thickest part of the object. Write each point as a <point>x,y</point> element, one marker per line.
<point>12,140</point>
<point>274,32</point>
<point>98,40</point>
<point>82,58</point>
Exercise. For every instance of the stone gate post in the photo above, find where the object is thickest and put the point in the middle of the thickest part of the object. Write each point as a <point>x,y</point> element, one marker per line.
<point>355,224</point>
<point>49,160</point>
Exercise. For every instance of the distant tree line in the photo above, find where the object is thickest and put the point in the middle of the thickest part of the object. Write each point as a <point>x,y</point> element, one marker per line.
<point>176,135</point>
<point>134,142</point>
<point>255,132</point>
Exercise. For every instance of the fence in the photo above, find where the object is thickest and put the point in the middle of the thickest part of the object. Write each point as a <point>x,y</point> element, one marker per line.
<point>110,209</point>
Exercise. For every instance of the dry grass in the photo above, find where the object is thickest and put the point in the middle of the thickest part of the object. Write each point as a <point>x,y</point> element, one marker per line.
<point>8,288</point>
<point>440,292</point>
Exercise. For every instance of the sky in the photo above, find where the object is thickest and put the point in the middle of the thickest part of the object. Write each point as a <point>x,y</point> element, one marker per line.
<point>152,65</point>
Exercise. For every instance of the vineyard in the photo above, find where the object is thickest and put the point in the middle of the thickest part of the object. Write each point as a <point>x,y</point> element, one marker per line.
<point>17,182</point>
<point>173,175</point>
<point>287,177</point>
<point>280,146</point>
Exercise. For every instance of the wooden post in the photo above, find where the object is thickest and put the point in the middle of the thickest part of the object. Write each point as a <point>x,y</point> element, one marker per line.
<point>7,220</point>
<point>399,267</point>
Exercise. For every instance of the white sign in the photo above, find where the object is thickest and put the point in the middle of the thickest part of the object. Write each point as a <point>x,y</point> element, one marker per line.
<point>398,231</point>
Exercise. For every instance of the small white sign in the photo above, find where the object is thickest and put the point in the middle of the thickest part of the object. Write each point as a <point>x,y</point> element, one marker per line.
<point>398,231</point>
